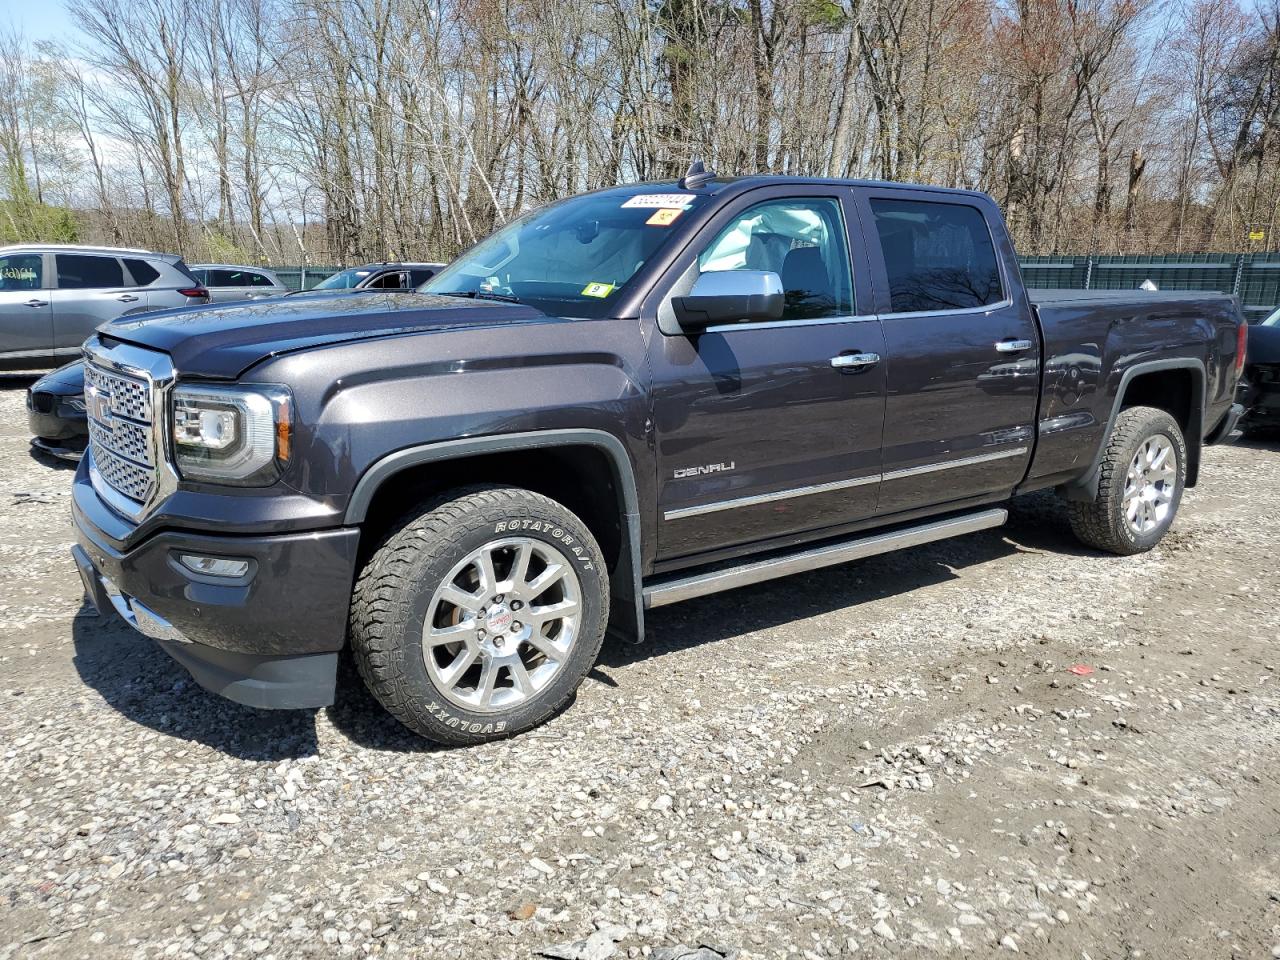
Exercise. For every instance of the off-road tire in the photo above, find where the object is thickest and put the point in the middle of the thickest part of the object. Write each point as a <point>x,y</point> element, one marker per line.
<point>1101,522</point>
<point>395,587</point>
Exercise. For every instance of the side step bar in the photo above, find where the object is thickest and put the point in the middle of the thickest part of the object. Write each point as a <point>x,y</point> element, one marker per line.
<point>699,584</point>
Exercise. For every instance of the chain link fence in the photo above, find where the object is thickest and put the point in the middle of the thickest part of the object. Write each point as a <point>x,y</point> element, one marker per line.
<point>1254,277</point>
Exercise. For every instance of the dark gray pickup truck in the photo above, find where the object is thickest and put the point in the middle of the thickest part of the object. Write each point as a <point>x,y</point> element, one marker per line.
<point>626,399</point>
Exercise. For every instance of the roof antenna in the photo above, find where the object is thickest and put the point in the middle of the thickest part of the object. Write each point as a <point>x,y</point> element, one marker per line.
<point>696,176</point>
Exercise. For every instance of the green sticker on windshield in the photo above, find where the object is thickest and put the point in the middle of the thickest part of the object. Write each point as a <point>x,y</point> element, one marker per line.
<point>600,290</point>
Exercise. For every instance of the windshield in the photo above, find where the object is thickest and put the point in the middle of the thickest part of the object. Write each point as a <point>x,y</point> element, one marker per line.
<point>346,280</point>
<point>1273,320</point>
<point>572,258</point>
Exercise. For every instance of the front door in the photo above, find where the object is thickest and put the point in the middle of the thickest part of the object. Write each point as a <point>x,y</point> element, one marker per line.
<point>964,382</point>
<point>758,433</point>
<point>26,315</point>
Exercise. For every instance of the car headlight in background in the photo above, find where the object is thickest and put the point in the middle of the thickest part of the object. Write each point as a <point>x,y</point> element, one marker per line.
<point>235,435</point>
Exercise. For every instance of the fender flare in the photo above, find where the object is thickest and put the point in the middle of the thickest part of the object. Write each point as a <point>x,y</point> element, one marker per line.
<point>1086,487</point>
<point>626,586</point>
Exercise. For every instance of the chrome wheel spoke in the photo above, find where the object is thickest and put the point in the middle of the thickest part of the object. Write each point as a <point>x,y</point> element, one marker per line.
<point>520,569</point>
<point>545,579</point>
<point>547,647</point>
<point>488,577</point>
<point>520,677</point>
<point>435,636</point>
<point>460,665</point>
<point>470,602</point>
<point>553,611</point>
<point>488,679</point>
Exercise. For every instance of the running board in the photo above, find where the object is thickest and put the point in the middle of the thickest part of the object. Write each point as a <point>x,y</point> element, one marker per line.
<point>700,584</point>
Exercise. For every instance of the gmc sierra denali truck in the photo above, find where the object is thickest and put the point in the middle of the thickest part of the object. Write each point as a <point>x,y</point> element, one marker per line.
<point>626,399</point>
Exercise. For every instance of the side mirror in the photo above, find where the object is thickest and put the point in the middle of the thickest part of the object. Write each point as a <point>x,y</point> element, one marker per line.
<point>730,296</point>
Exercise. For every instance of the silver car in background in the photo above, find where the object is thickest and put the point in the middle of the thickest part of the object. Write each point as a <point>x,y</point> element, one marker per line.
<point>229,282</point>
<point>52,296</point>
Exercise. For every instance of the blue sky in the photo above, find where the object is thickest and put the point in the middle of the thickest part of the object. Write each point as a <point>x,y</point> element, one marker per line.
<point>37,19</point>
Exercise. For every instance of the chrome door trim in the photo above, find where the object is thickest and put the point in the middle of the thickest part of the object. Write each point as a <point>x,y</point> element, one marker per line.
<point>679,513</point>
<point>985,308</point>
<point>952,464</point>
<point>695,511</point>
<point>777,324</point>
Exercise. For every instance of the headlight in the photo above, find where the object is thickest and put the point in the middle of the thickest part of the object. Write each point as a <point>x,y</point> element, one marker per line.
<point>232,435</point>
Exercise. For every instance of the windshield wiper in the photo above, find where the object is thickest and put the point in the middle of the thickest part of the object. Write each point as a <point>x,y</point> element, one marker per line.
<point>480,295</point>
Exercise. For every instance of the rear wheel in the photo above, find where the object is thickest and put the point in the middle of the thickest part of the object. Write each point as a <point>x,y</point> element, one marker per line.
<point>1140,484</point>
<point>480,614</point>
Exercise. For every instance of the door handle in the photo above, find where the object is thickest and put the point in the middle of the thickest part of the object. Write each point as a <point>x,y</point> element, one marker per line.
<point>127,298</point>
<point>37,303</point>
<point>1013,346</point>
<point>855,362</point>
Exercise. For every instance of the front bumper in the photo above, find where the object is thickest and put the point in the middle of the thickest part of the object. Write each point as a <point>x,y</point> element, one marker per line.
<point>57,418</point>
<point>267,639</point>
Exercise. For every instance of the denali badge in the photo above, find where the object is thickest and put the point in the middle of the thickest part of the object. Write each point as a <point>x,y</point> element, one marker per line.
<point>99,404</point>
<point>709,468</point>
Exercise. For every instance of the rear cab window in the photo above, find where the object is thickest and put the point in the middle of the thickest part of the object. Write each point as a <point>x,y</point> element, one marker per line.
<point>938,256</point>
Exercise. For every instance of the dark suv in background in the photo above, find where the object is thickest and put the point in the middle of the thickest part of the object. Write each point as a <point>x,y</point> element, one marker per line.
<point>378,276</point>
<point>53,296</point>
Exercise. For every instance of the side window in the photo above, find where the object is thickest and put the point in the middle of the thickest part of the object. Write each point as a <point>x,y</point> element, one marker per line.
<point>258,280</point>
<point>803,242</point>
<point>938,256</point>
<point>21,271</point>
<point>142,272</point>
<point>418,277</point>
<point>79,272</point>
<point>224,278</point>
<point>388,281</point>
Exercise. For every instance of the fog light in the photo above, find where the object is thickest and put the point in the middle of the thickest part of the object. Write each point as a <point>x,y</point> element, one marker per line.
<point>214,566</point>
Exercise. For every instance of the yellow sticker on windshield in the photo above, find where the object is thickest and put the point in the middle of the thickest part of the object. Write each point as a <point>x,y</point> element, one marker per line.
<point>600,290</point>
<point>663,218</point>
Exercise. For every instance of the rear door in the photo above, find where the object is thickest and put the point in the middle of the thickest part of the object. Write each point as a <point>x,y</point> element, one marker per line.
<point>26,313</point>
<point>758,434</point>
<point>91,289</point>
<point>964,379</point>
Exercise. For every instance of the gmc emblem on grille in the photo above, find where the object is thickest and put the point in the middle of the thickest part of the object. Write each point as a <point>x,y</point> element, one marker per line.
<point>98,404</point>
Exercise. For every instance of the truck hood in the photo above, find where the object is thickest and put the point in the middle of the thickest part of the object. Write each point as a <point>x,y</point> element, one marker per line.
<point>222,342</point>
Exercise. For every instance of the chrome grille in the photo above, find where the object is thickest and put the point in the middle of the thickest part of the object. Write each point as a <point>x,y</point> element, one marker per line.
<point>133,481</point>
<point>121,431</point>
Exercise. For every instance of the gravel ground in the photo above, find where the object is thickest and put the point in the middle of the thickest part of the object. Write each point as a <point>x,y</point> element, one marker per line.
<point>886,758</point>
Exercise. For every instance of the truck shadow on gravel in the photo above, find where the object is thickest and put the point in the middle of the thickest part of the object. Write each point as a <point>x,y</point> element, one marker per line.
<point>140,681</point>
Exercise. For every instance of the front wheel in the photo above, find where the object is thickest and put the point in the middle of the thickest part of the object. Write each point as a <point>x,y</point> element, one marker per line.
<point>1140,483</point>
<point>480,614</point>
